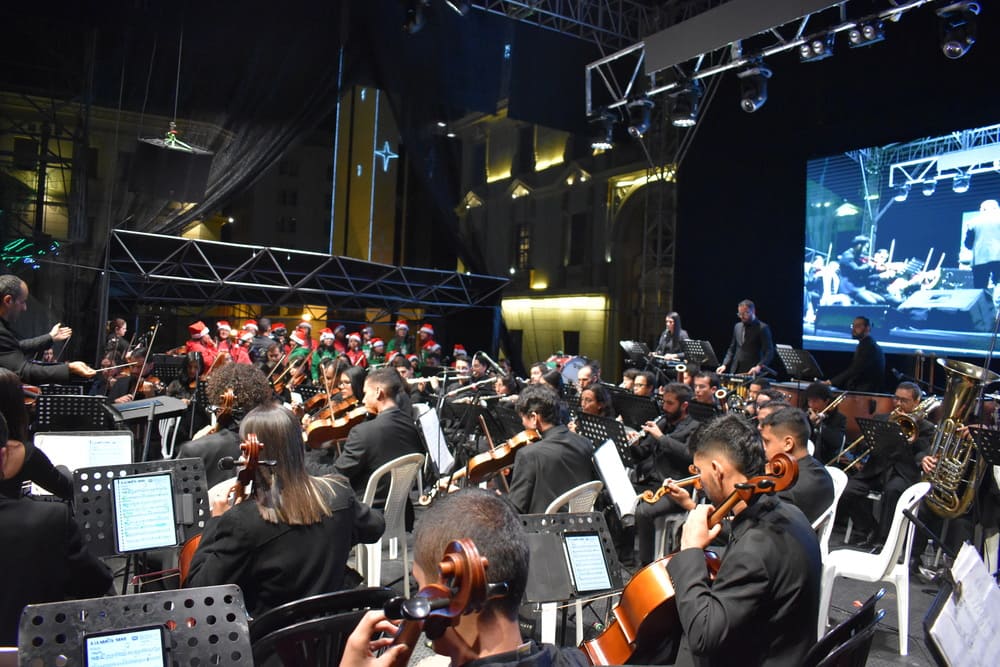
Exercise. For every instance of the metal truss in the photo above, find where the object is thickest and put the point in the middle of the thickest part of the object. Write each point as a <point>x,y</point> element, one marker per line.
<point>629,61</point>
<point>146,268</point>
<point>940,158</point>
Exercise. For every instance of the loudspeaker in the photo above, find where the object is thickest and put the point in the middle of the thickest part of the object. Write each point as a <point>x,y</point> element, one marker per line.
<point>169,173</point>
<point>951,310</point>
<point>841,318</point>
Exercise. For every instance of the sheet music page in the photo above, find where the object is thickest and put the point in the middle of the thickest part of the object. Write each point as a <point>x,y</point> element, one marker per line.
<point>586,561</point>
<point>437,446</point>
<point>144,512</point>
<point>79,450</point>
<point>612,470</point>
<point>968,628</point>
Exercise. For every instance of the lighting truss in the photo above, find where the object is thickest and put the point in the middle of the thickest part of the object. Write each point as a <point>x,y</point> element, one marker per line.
<point>833,18</point>
<point>972,152</point>
<point>146,268</point>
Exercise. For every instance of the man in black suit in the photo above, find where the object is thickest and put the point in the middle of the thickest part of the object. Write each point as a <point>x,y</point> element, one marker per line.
<point>867,369</point>
<point>13,302</point>
<point>555,464</point>
<point>763,604</point>
<point>374,443</point>
<point>829,426</point>
<point>44,557</point>
<point>752,346</point>
<point>787,430</point>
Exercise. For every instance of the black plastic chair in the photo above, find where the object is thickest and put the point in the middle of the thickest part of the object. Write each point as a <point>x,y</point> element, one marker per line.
<point>839,634</point>
<point>854,652</point>
<point>312,631</point>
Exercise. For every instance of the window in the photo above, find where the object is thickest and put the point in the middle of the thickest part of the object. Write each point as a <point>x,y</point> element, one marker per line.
<point>523,248</point>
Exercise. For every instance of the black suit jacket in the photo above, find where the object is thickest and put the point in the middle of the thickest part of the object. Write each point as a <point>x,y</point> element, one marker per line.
<point>374,443</point>
<point>763,606</point>
<point>829,435</point>
<point>666,456</point>
<point>213,448</point>
<point>866,371</point>
<point>757,347</point>
<point>813,490</point>
<point>44,560</point>
<point>550,467</point>
<point>12,357</point>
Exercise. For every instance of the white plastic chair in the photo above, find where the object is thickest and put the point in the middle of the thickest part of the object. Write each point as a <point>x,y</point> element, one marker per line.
<point>369,556</point>
<point>823,525</point>
<point>168,435</point>
<point>580,498</point>
<point>881,566</point>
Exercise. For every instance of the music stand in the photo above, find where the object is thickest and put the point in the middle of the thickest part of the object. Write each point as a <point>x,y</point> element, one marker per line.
<point>201,394</point>
<point>200,625</point>
<point>62,389</point>
<point>61,412</point>
<point>883,436</point>
<point>601,429</point>
<point>702,412</point>
<point>988,442</point>
<point>508,419</point>
<point>308,391</point>
<point>636,351</point>
<point>550,578</point>
<point>634,410</point>
<point>700,352</point>
<point>799,363</point>
<point>168,367</point>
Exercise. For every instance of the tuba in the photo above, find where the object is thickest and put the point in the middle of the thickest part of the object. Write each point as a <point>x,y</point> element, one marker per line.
<point>959,467</point>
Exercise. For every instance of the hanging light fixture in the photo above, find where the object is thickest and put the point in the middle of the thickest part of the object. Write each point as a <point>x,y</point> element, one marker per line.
<point>753,86</point>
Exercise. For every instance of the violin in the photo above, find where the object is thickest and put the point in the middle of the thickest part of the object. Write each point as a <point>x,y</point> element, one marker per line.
<point>502,456</point>
<point>324,429</point>
<point>31,394</point>
<point>224,411</point>
<point>653,496</point>
<point>647,610</point>
<point>250,450</point>
<point>436,606</point>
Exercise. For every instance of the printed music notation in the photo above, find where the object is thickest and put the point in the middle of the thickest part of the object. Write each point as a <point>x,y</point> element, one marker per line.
<point>144,512</point>
<point>130,648</point>
<point>586,560</point>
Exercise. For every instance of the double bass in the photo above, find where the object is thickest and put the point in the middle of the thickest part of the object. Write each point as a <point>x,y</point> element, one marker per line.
<point>647,611</point>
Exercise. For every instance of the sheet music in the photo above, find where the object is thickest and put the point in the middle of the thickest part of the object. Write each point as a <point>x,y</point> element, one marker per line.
<point>616,480</point>
<point>84,450</point>
<point>586,561</point>
<point>968,628</point>
<point>144,512</point>
<point>128,648</point>
<point>437,446</point>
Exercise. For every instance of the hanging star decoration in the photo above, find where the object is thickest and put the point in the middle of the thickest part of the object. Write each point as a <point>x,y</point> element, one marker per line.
<point>386,154</point>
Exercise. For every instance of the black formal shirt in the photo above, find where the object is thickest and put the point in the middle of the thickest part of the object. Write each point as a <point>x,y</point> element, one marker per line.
<point>751,345</point>
<point>813,490</point>
<point>866,371</point>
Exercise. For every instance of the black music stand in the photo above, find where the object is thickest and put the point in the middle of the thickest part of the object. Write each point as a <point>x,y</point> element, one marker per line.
<point>601,429</point>
<point>884,437</point>
<point>62,389</point>
<point>507,418</point>
<point>988,442</point>
<point>60,412</point>
<point>799,363</point>
<point>700,352</point>
<point>636,351</point>
<point>307,391</point>
<point>202,625</point>
<point>201,394</point>
<point>634,410</point>
<point>702,412</point>
<point>168,367</point>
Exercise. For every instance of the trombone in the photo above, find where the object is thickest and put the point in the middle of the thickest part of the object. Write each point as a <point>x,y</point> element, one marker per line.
<point>850,447</point>
<point>832,405</point>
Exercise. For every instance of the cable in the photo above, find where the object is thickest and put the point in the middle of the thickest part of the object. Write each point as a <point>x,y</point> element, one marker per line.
<point>177,84</point>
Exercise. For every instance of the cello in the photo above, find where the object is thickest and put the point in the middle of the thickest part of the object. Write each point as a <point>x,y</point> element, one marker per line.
<point>647,610</point>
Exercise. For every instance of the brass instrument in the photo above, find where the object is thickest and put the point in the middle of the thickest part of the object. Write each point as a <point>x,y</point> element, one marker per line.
<point>959,466</point>
<point>845,450</point>
<point>831,406</point>
<point>909,422</point>
<point>732,401</point>
<point>680,368</point>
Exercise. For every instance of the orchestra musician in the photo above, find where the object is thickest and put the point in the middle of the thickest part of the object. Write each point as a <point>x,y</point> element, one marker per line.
<point>13,349</point>
<point>644,383</point>
<point>763,603</point>
<point>104,378</point>
<point>752,347</point>
<point>628,378</point>
<point>787,430</point>
<point>828,425</point>
<point>669,344</point>
<point>117,344</point>
<point>132,383</point>
<point>250,389</point>
<point>757,385</point>
<point>587,375</point>
<point>485,638</point>
<point>866,371</point>
<point>45,557</point>
<point>200,341</point>
<point>290,537</point>
<point>706,405</point>
<point>555,464</point>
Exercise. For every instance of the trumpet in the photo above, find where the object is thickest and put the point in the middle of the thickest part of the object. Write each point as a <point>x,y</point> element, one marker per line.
<point>832,406</point>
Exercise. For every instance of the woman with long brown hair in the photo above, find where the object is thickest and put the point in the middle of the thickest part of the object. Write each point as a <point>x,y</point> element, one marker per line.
<point>291,536</point>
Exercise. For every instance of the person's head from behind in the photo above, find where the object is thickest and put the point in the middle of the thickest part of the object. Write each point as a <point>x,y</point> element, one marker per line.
<point>250,386</point>
<point>538,406</point>
<point>493,525</point>
<point>785,430</point>
<point>381,389</point>
<point>770,407</point>
<point>726,451</point>
<point>553,379</point>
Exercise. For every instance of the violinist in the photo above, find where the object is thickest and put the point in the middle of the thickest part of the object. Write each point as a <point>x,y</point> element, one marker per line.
<point>856,268</point>
<point>553,465</point>
<point>290,537</point>
<point>763,604</point>
<point>271,362</point>
<point>488,637</point>
<point>13,302</point>
<point>250,389</point>
<point>104,378</point>
<point>200,341</point>
<point>184,387</point>
<point>299,358</point>
<point>787,430</point>
<point>117,345</point>
<point>132,383</point>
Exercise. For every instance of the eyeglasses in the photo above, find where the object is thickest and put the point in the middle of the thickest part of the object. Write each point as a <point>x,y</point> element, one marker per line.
<point>639,385</point>
<point>344,383</point>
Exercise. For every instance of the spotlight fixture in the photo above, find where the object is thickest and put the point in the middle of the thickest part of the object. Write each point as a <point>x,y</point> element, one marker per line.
<point>816,48</point>
<point>641,113</point>
<point>929,187</point>
<point>603,135</point>
<point>902,192</point>
<point>460,7</point>
<point>958,28</point>
<point>866,33</point>
<point>960,183</point>
<point>415,18</point>
<point>686,102</point>
<point>753,86</point>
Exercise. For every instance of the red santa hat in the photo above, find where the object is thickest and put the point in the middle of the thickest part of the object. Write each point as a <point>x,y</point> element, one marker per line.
<point>198,329</point>
<point>305,324</point>
<point>401,324</point>
<point>431,346</point>
<point>326,334</point>
<point>377,342</point>
<point>298,337</point>
<point>223,325</point>
<point>247,337</point>
<point>412,357</point>
<point>427,329</point>
<point>355,336</point>
<point>459,351</point>
<point>251,325</point>
<point>393,355</point>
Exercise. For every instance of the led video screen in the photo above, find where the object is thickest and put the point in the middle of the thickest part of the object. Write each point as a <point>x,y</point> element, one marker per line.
<point>907,235</point>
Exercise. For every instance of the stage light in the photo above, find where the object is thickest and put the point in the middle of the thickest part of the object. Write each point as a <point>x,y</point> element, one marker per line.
<point>866,34</point>
<point>958,28</point>
<point>686,101</point>
<point>415,18</point>
<point>460,7</point>
<point>816,48</point>
<point>753,86</point>
<point>603,134</point>
<point>641,113</point>
<point>929,187</point>
<point>902,192</point>
<point>960,184</point>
